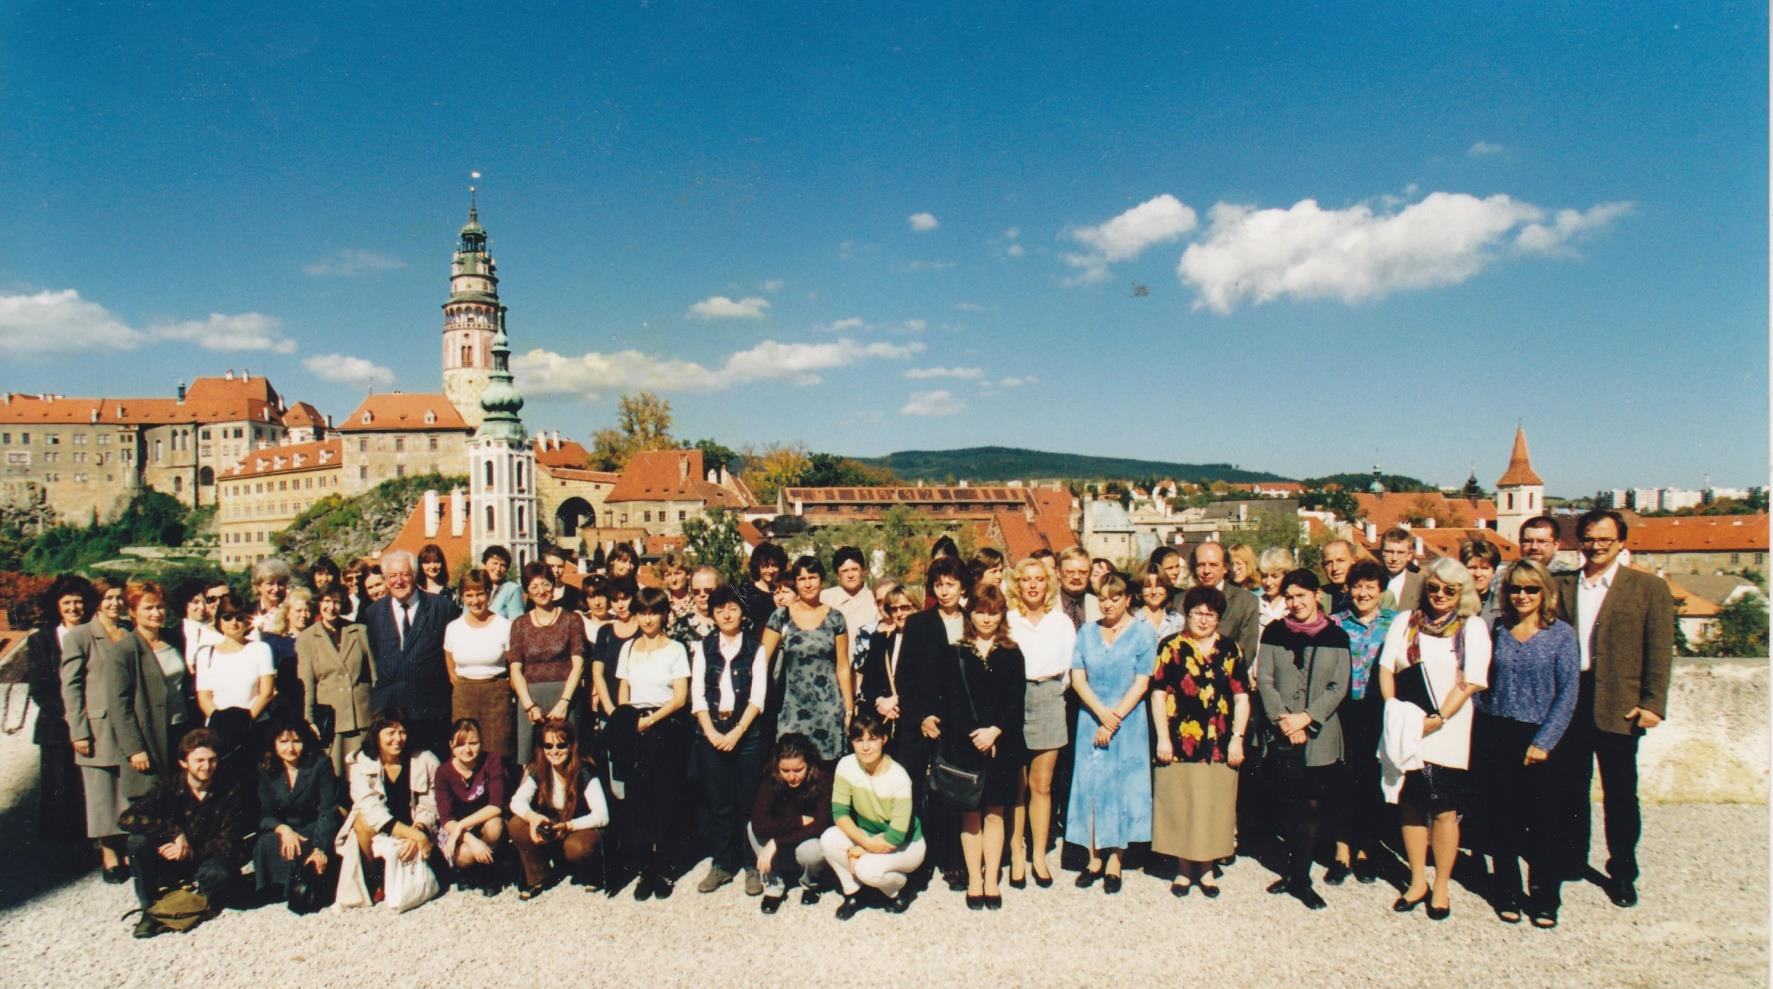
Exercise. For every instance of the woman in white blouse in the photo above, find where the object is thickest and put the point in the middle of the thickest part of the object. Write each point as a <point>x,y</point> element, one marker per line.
<point>558,812</point>
<point>474,655</point>
<point>235,675</point>
<point>729,682</point>
<point>649,741</point>
<point>1047,639</point>
<point>1438,656</point>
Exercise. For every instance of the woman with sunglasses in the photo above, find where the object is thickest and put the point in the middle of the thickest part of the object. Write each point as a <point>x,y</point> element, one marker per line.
<point>558,812</point>
<point>877,684</point>
<point>236,679</point>
<point>1447,645</point>
<point>1534,673</point>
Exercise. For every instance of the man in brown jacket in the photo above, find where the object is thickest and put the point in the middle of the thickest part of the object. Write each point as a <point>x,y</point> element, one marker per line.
<point>1624,620</point>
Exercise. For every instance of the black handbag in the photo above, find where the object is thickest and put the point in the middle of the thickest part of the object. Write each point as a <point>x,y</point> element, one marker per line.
<point>307,892</point>
<point>325,724</point>
<point>965,788</point>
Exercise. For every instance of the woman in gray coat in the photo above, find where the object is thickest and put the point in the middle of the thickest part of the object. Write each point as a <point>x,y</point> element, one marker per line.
<point>83,704</point>
<point>143,678</point>
<point>1302,671</point>
<point>337,672</point>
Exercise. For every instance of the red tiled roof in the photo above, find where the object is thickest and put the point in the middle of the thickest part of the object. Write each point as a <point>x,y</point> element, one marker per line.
<point>457,550</point>
<point>1698,534</point>
<point>1389,509</point>
<point>749,532</point>
<point>290,459</point>
<point>671,475</point>
<point>568,454</point>
<point>399,411</point>
<point>575,474</point>
<point>1688,604</point>
<point>1520,468</point>
<point>207,400</point>
<point>302,414</point>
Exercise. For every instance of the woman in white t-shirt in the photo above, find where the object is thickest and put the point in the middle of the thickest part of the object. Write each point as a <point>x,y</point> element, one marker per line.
<point>474,648</point>
<point>236,679</point>
<point>649,740</point>
<point>1047,640</point>
<point>1447,645</point>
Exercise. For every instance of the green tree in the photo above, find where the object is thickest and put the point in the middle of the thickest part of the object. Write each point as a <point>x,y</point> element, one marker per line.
<point>716,455</point>
<point>643,422</point>
<point>713,539</point>
<point>150,519</point>
<point>346,528</point>
<point>1741,629</point>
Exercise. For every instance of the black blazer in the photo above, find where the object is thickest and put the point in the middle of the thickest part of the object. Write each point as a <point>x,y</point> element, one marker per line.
<point>876,683</point>
<point>925,649</point>
<point>997,693</point>
<point>43,665</point>
<point>311,807</point>
<point>410,674</point>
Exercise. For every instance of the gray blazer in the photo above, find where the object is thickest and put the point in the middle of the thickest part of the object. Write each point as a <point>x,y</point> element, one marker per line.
<point>1243,620</point>
<point>136,717</point>
<point>1316,687</point>
<point>340,678</point>
<point>82,701</point>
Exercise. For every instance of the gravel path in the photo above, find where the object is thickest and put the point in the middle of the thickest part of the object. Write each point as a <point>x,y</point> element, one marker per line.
<point>1703,921</point>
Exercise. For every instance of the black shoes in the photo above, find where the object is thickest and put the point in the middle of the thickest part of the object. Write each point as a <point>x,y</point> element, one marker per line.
<point>1304,893</point>
<point>1086,878</point>
<point>1363,872</point>
<point>851,905</point>
<point>1280,886</point>
<point>1021,883</point>
<point>663,888</point>
<point>956,880</point>
<point>1111,885</point>
<point>1623,893</point>
<point>1179,890</point>
<point>1508,909</point>
<point>1544,917</point>
<point>975,901</point>
<point>1338,872</point>
<point>1208,890</point>
<point>1440,913</point>
<point>993,902</point>
<point>146,927</point>
<point>771,904</point>
<point>898,904</point>
<point>116,875</point>
<point>1404,904</point>
<point>1044,882</point>
<point>643,888</point>
<point>809,897</point>
<point>531,892</point>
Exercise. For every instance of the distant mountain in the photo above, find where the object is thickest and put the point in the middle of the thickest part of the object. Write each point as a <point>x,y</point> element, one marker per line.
<point>1002,463</point>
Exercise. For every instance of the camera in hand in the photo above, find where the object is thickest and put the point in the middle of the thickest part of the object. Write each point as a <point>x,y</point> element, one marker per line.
<point>548,831</point>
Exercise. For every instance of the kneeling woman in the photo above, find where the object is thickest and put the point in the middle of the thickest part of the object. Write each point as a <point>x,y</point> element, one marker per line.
<point>393,808</point>
<point>649,742</point>
<point>793,809</point>
<point>298,809</point>
<point>978,697</point>
<point>471,806</point>
<point>875,840</point>
<point>558,812</point>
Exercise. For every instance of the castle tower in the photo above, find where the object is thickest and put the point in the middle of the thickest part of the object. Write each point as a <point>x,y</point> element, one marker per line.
<point>470,318</point>
<point>1520,494</point>
<point>502,500</point>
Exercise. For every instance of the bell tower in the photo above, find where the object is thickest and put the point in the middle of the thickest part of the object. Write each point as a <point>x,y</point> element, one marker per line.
<point>470,317</point>
<point>502,495</point>
<point>1520,492</point>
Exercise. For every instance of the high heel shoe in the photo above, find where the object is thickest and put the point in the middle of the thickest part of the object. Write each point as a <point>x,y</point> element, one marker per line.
<point>1021,883</point>
<point>1111,885</point>
<point>1087,878</point>
<point>1044,882</point>
<point>1405,904</point>
<point>975,901</point>
<point>1440,913</point>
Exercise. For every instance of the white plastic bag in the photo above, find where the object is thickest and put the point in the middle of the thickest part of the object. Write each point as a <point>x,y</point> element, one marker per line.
<point>404,884</point>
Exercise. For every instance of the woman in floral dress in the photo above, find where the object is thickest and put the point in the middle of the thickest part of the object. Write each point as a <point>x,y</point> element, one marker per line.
<point>818,685</point>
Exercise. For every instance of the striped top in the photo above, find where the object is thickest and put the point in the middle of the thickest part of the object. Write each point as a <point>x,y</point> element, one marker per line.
<point>879,803</point>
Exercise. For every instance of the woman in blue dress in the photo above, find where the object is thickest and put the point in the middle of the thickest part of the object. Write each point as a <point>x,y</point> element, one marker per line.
<point>1110,805</point>
<point>817,684</point>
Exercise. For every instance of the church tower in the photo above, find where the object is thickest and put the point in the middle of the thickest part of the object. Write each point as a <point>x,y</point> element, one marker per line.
<point>502,465</point>
<point>470,318</point>
<point>1520,494</point>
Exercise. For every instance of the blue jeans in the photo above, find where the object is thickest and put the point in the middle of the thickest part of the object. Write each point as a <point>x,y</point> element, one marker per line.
<point>729,787</point>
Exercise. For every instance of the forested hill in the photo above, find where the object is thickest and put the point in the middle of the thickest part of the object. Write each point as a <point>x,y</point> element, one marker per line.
<point>1002,463</point>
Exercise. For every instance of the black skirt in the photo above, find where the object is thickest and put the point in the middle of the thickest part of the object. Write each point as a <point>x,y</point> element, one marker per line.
<point>1435,789</point>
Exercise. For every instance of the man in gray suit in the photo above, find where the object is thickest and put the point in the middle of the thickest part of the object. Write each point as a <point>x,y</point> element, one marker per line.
<point>1624,621</point>
<point>1242,622</point>
<point>1403,588</point>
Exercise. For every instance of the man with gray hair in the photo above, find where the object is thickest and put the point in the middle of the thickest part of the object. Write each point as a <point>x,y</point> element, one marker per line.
<point>1242,621</point>
<point>406,640</point>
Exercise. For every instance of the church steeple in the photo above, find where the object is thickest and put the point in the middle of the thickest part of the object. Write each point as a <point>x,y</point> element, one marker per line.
<point>471,316</point>
<point>1520,492</point>
<point>500,401</point>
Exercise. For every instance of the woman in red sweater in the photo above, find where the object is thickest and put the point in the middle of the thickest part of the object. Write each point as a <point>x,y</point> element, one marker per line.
<point>793,809</point>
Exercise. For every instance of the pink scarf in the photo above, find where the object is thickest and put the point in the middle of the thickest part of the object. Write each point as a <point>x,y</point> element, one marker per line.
<point>1309,628</point>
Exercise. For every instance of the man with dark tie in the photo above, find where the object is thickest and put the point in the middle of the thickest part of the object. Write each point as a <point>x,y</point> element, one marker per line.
<point>406,638</point>
<point>1242,622</point>
<point>1624,621</point>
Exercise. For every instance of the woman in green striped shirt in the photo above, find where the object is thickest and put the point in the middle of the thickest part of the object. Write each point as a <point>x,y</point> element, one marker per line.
<point>876,839</point>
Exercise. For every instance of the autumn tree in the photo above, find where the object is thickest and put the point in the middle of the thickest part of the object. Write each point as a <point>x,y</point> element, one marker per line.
<point>772,468</point>
<point>643,422</point>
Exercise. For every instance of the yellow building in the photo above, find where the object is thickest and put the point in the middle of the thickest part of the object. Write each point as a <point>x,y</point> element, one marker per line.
<point>263,493</point>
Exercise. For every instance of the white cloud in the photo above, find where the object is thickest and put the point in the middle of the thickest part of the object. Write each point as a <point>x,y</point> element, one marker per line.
<point>969,307</point>
<point>721,307</point>
<point>1015,250</point>
<point>543,372</point>
<point>1358,254</point>
<point>1012,233</point>
<point>351,261</point>
<point>1485,148</point>
<point>1123,238</point>
<point>774,285</point>
<point>940,402</point>
<point>1014,382</point>
<point>963,373</point>
<point>50,322</point>
<point>922,222</point>
<point>1567,224</point>
<point>923,265</point>
<point>915,325</point>
<point>348,370</point>
<point>848,324</point>
<point>243,332</point>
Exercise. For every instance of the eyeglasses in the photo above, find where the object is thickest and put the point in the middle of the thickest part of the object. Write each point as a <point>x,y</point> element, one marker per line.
<point>1524,589</point>
<point>1203,613</point>
<point>1442,590</point>
<point>555,746</point>
<point>230,618</point>
<point>215,598</point>
<point>1598,541</point>
<point>900,609</point>
<point>699,591</point>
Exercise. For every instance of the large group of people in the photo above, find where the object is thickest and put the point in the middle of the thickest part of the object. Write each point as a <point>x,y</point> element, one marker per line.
<point>359,747</point>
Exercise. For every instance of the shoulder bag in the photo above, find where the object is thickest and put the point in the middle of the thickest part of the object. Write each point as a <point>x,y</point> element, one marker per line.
<point>960,786</point>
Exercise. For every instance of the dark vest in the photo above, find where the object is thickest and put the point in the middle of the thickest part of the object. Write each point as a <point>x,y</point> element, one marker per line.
<point>715,666</point>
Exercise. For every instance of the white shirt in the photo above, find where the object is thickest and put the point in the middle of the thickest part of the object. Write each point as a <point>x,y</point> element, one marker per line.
<point>1047,645</point>
<point>650,673</point>
<point>479,653</point>
<point>197,635</point>
<point>1450,746</point>
<point>233,678</point>
<point>1395,587</point>
<point>596,809</point>
<point>729,649</point>
<point>1590,595</point>
<point>858,609</point>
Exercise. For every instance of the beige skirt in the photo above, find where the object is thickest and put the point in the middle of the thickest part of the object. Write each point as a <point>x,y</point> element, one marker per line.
<point>1194,811</point>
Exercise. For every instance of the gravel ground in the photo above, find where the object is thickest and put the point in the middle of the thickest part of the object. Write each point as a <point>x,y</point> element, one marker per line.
<point>1703,921</point>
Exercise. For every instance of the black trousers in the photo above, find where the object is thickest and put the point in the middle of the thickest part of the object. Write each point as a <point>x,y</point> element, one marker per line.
<point>651,766</point>
<point>154,874</point>
<point>729,786</point>
<point>1520,804</point>
<point>1584,747</point>
<point>1362,815</point>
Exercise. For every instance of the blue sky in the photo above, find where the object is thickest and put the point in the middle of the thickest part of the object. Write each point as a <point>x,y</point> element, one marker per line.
<point>1361,232</point>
